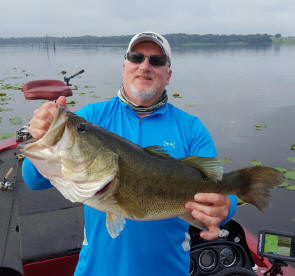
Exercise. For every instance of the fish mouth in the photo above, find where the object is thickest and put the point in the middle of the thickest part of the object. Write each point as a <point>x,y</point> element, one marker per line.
<point>104,188</point>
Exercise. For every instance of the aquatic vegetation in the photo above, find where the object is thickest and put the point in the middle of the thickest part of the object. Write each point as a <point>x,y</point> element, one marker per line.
<point>290,174</point>
<point>191,105</point>
<point>176,95</point>
<point>292,147</point>
<point>15,120</point>
<point>259,126</point>
<point>89,86</point>
<point>4,109</point>
<point>283,170</point>
<point>226,160</point>
<point>291,159</point>
<point>4,136</point>
<point>256,163</point>
<point>72,103</point>
<point>284,184</point>
<point>11,87</point>
<point>2,94</point>
<point>63,72</point>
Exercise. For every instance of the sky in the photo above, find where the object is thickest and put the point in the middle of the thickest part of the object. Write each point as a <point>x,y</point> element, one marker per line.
<point>62,18</point>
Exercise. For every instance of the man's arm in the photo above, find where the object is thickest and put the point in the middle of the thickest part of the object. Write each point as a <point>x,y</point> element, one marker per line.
<point>210,208</point>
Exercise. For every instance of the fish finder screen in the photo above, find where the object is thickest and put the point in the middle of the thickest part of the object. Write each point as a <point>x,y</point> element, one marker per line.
<point>278,245</point>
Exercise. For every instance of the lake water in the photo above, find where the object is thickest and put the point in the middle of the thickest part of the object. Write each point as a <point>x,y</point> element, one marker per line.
<point>229,89</point>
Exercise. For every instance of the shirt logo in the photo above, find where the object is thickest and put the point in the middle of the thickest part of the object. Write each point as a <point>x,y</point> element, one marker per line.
<point>167,144</point>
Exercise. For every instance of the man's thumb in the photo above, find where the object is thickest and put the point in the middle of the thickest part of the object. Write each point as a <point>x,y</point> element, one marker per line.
<point>61,101</point>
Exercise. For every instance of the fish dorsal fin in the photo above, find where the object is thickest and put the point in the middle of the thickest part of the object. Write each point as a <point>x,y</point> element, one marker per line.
<point>115,224</point>
<point>157,150</point>
<point>210,167</point>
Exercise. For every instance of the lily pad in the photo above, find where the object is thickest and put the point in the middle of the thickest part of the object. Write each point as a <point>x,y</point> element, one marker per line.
<point>226,160</point>
<point>260,126</point>
<point>290,175</point>
<point>72,103</point>
<point>4,109</point>
<point>283,170</point>
<point>284,184</point>
<point>191,105</point>
<point>15,120</point>
<point>4,136</point>
<point>10,87</point>
<point>256,163</point>
<point>3,94</point>
<point>63,72</point>
<point>291,159</point>
<point>291,187</point>
<point>292,147</point>
<point>89,86</point>
<point>176,95</point>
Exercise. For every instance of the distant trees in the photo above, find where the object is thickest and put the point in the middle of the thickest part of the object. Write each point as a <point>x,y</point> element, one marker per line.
<point>180,39</point>
<point>256,39</point>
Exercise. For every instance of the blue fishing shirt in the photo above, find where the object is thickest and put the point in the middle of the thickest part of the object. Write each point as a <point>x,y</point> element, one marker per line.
<point>143,248</point>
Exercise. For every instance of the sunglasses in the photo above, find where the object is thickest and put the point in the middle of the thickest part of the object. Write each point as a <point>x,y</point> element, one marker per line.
<point>155,60</point>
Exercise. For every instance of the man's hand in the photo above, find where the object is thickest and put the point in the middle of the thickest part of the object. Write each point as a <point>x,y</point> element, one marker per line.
<point>43,117</point>
<point>211,209</point>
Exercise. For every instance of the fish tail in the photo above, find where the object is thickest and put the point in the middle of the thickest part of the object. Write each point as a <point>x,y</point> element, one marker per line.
<point>256,185</point>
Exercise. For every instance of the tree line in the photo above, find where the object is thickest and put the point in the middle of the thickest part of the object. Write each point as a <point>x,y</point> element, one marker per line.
<point>179,39</point>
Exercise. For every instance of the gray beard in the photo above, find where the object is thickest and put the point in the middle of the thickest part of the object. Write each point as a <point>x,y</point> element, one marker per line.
<point>145,95</point>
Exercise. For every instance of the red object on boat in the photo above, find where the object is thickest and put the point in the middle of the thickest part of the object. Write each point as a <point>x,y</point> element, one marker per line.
<point>64,266</point>
<point>10,143</point>
<point>46,89</point>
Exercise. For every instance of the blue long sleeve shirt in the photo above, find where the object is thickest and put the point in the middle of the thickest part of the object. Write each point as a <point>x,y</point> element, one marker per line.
<point>143,248</point>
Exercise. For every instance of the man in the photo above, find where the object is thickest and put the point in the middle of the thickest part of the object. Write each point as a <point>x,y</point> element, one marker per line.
<point>142,115</point>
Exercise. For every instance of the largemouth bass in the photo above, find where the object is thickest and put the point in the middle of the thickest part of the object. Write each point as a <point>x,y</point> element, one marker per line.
<point>91,165</point>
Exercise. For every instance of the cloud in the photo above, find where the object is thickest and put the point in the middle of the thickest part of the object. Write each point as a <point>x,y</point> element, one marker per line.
<point>112,17</point>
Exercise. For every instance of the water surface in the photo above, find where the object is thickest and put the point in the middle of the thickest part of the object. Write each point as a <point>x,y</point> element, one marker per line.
<point>229,89</point>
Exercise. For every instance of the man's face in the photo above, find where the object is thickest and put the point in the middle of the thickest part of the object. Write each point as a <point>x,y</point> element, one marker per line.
<point>144,83</point>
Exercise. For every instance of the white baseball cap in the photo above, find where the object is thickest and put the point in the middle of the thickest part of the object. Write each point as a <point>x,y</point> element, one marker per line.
<point>151,36</point>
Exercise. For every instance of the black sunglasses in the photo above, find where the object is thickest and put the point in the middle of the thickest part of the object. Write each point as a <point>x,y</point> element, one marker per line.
<point>155,60</point>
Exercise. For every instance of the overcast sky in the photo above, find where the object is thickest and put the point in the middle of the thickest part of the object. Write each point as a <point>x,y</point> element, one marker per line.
<point>110,17</point>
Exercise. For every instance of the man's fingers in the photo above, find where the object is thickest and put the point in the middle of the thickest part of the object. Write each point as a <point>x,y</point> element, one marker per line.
<point>211,234</point>
<point>205,219</point>
<point>209,198</point>
<point>207,210</point>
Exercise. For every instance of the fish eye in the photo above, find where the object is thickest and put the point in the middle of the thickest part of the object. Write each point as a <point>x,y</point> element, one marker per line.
<point>81,127</point>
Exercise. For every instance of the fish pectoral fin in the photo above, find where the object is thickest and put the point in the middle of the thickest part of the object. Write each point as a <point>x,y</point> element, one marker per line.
<point>210,167</point>
<point>189,219</point>
<point>115,224</point>
<point>157,150</point>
